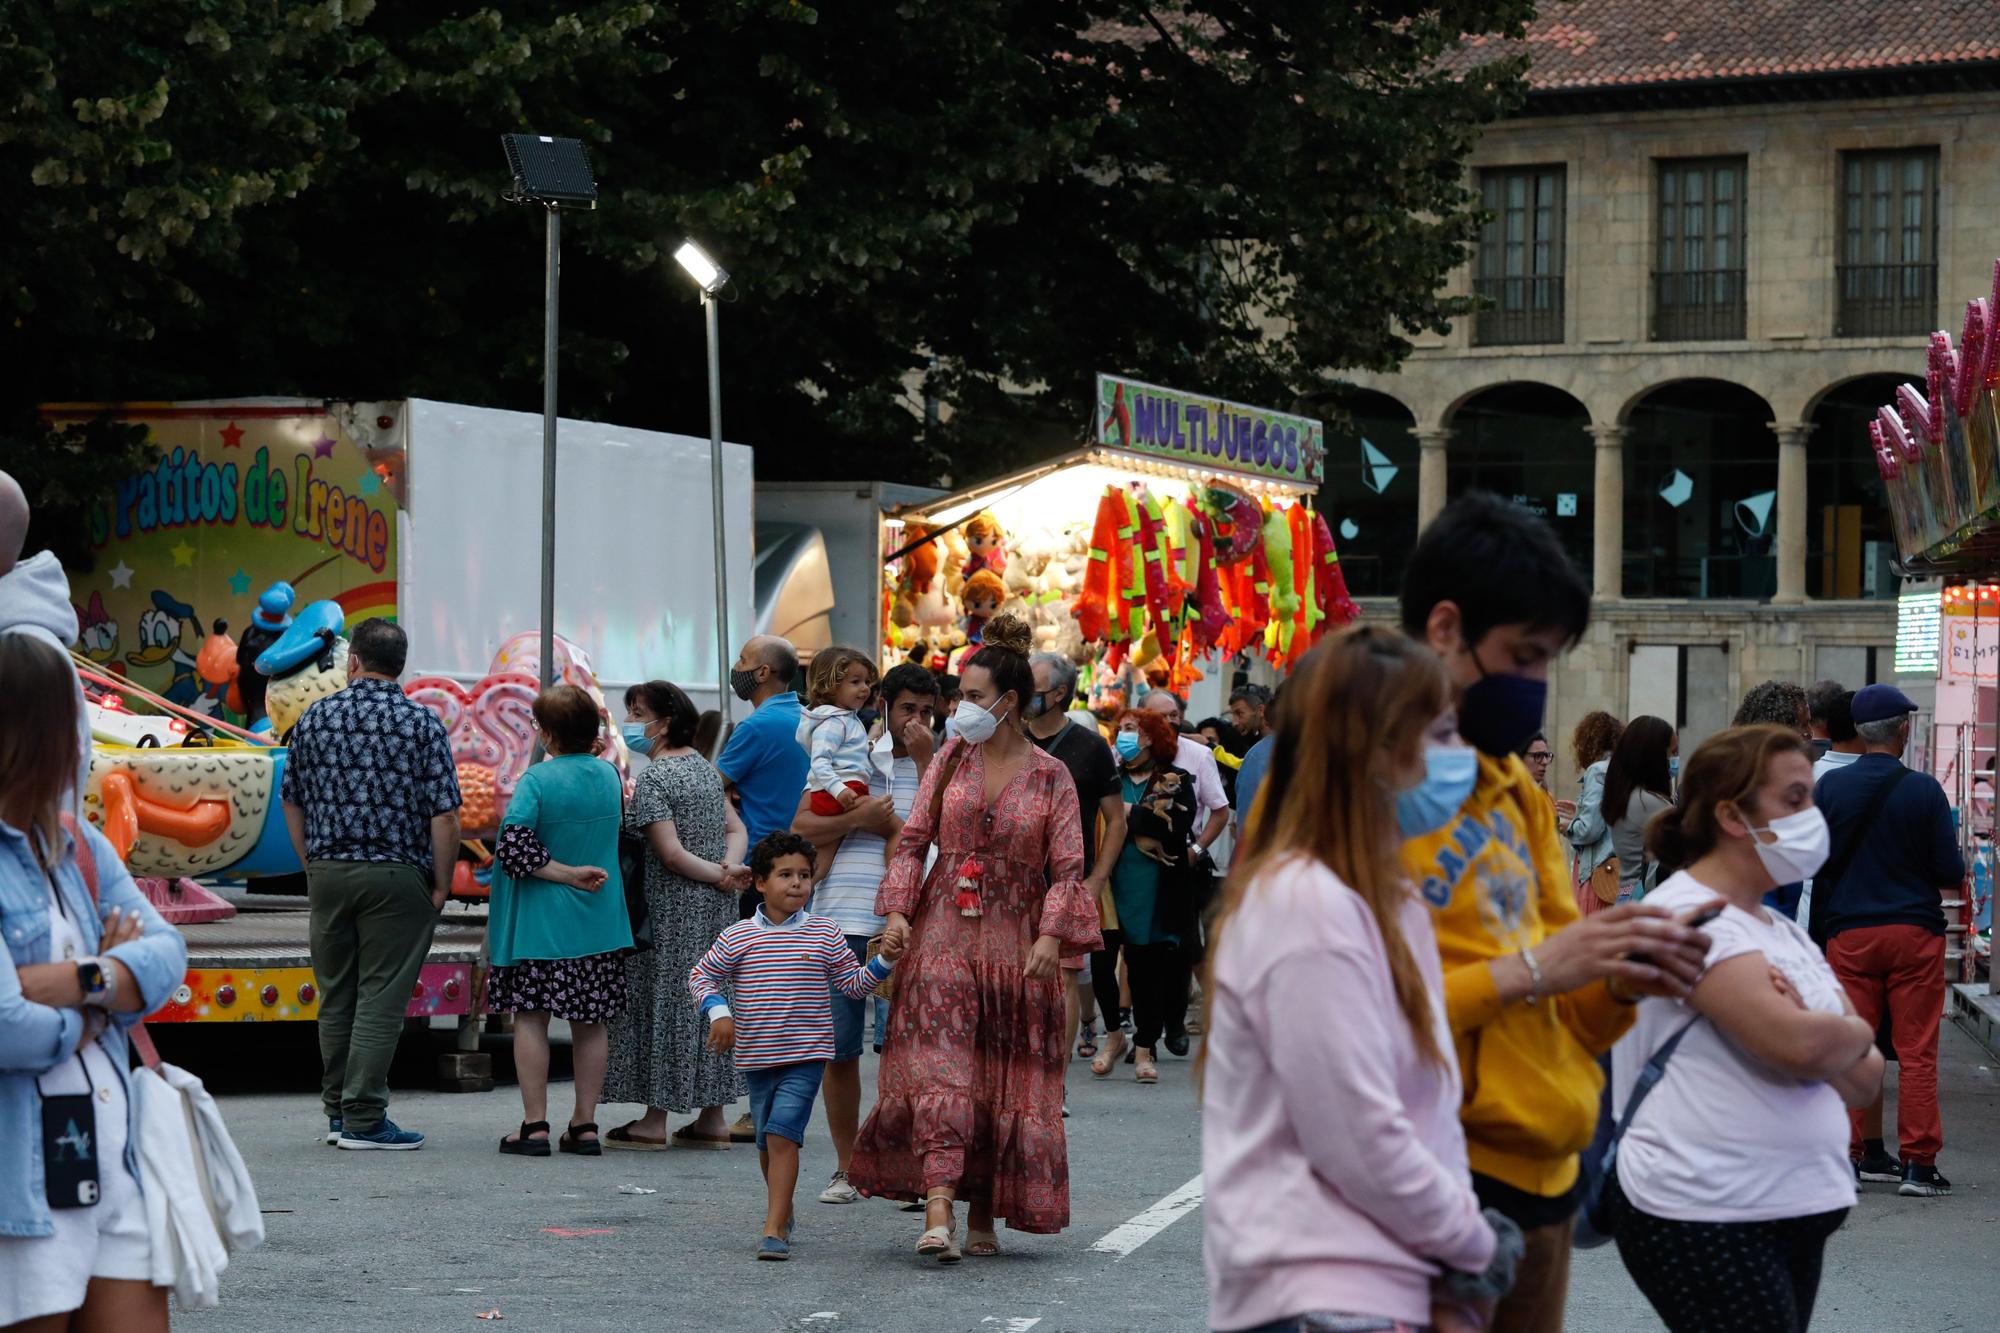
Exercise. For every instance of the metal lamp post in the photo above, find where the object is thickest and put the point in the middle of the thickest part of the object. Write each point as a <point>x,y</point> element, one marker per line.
<point>711,279</point>
<point>555,174</point>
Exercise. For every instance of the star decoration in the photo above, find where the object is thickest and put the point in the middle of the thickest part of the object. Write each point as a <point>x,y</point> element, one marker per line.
<point>369,483</point>
<point>323,448</point>
<point>121,575</point>
<point>232,436</point>
<point>239,584</point>
<point>184,555</point>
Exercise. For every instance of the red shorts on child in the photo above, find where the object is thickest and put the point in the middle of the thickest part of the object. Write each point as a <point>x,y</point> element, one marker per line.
<point>826,804</point>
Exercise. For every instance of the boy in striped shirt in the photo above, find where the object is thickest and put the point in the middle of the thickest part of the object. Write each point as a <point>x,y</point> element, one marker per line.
<point>778,966</point>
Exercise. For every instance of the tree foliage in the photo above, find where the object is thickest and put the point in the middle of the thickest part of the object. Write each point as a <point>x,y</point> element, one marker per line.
<point>982,201</point>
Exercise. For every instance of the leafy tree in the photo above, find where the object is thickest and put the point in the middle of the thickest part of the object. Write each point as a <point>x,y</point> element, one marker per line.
<point>984,201</point>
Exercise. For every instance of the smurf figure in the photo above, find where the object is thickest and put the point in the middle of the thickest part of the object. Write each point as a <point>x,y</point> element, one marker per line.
<point>268,624</point>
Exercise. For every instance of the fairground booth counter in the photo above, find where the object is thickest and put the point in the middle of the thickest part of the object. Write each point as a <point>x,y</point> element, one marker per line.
<point>1938,451</point>
<point>1182,537</point>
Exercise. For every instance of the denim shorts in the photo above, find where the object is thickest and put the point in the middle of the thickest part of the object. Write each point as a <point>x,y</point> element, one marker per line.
<point>782,1097</point>
<point>850,1017</point>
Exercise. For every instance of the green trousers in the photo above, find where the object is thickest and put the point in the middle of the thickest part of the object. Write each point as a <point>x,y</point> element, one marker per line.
<point>371,931</point>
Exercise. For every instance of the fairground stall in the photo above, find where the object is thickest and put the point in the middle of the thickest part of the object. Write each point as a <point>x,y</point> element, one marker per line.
<point>1182,536</point>
<point>1938,451</point>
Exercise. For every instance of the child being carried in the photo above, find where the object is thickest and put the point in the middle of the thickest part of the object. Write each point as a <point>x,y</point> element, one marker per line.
<point>839,684</point>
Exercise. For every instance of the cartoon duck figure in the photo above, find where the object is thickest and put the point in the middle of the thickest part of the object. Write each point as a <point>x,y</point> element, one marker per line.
<point>99,633</point>
<point>306,664</point>
<point>163,633</point>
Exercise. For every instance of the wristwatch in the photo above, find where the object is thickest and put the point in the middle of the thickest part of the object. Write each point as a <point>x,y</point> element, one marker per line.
<point>95,983</point>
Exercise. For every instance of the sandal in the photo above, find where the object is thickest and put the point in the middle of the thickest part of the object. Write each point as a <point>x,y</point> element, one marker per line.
<point>582,1147</point>
<point>1086,1049</point>
<point>623,1137</point>
<point>1146,1071</point>
<point>941,1244</point>
<point>1107,1060</point>
<point>685,1138</point>
<point>520,1145</point>
<point>981,1244</point>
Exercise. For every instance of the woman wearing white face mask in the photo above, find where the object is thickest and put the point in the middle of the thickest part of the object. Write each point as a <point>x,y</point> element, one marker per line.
<point>1734,1170</point>
<point>970,1092</point>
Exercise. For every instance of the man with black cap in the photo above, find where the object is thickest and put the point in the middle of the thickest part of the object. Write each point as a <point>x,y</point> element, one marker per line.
<point>1876,907</point>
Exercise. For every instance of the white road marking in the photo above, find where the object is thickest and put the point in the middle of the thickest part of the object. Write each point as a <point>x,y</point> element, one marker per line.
<point>1019,1324</point>
<point>1126,1237</point>
<point>820,1314</point>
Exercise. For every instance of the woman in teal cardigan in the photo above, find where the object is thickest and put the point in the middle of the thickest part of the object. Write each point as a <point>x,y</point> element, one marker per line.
<point>557,926</point>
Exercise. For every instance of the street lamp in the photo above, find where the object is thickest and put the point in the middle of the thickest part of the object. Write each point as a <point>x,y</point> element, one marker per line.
<point>711,278</point>
<point>554,174</point>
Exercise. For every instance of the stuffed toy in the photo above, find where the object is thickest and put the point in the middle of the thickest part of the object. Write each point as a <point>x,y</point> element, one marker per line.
<point>1160,802</point>
<point>986,546</point>
<point>983,595</point>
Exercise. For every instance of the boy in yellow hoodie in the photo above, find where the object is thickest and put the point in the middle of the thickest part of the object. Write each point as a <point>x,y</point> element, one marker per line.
<point>1535,994</point>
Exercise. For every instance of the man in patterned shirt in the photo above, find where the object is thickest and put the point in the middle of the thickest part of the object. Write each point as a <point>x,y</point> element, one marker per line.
<point>371,800</point>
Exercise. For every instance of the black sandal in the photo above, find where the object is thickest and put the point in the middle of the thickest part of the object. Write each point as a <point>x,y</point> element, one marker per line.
<point>583,1147</point>
<point>523,1146</point>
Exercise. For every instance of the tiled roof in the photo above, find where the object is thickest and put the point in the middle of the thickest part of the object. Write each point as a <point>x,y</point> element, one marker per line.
<point>1580,44</point>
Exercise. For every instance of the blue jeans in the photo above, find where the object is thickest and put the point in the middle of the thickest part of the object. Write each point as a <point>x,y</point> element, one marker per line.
<point>850,1017</point>
<point>782,1097</point>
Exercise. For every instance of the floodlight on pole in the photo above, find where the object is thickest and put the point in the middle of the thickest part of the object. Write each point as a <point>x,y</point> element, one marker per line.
<point>554,174</point>
<point>710,277</point>
<point>706,273</point>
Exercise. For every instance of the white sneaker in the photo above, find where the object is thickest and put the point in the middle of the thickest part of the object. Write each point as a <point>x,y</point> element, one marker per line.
<point>839,1191</point>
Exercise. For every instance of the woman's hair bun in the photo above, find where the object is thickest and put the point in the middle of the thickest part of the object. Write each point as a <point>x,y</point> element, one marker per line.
<point>1009,633</point>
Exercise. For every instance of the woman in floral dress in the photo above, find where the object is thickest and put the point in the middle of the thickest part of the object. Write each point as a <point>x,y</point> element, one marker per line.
<point>694,852</point>
<point>970,1089</point>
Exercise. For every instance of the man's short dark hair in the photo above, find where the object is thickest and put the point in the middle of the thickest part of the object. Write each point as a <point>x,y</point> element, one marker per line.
<point>1840,719</point>
<point>907,678</point>
<point>1821,697</point>
<point>381,646</point>
<point>1777,703</point>
<point>1500,565</point>
<point>1251,694</point>
<point>773,847</point>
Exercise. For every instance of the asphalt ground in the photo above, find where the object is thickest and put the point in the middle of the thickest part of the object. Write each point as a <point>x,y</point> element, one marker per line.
<point>432,1239</point>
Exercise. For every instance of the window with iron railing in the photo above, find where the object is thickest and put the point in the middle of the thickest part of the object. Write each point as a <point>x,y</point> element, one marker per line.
<point>1887,274</point>
<point>1519,274</point>
<point>1698,286</point>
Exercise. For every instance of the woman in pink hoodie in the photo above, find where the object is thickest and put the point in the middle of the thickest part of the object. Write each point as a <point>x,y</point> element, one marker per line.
<point>1338,1192</point>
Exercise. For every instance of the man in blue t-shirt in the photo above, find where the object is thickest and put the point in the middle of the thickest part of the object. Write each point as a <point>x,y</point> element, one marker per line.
<point>763,762</point>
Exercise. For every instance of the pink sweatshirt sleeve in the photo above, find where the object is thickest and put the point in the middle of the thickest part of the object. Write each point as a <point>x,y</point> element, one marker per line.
<point>1338,1084</point>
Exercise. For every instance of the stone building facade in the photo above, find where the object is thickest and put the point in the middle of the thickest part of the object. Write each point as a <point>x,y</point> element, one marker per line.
<point>1706,267</point>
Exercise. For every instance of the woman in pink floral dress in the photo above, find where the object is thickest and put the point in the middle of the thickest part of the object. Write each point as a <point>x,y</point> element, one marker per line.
<point>970,1092</point>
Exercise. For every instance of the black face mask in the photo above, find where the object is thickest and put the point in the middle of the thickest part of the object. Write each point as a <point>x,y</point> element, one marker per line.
<point>744,683</point>
<point>1501,711</point>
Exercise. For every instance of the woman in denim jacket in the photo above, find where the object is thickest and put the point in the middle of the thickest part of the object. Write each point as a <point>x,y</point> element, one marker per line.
<point>75,975</point>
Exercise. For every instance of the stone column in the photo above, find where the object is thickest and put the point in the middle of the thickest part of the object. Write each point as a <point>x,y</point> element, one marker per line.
<point>1792,513</point>
<point>1431,445</point>
<point>1607,578</point>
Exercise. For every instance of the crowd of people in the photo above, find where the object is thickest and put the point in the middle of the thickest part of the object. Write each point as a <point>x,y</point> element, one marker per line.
<point>1654,1013</point>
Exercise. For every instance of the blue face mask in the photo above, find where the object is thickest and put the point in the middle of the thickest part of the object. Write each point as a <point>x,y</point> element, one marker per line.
<point>1128,745</point>
<point>636,739</point>
<point>1501,711</point>
<point>1449,774</point>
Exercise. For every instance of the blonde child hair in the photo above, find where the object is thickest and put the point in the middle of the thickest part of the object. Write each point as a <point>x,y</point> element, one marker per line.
<point>829,665</point>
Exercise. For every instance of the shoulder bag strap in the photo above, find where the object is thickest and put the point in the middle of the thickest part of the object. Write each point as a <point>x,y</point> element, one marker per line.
<point>86,861</point>
<point>1649,1078</point>
<point>1836,866</point>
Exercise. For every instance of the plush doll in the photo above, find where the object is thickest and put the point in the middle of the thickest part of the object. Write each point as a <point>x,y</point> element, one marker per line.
<point>1160,803</point>
<point>920,566</point>
<point>952,555</point>
<point>982,597</point>
<point>985,544</point>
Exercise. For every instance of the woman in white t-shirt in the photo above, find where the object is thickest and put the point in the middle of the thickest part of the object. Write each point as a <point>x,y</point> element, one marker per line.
<point>1736,1167</point>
